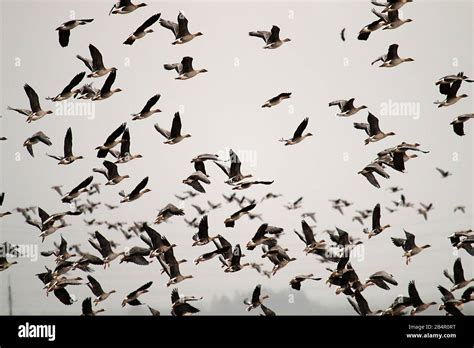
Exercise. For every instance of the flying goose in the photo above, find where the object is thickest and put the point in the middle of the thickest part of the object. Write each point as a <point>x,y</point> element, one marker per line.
<point>132,298</point>
<point>458,123</point>
<point>180,306</point>
<point>171,267</point>
<point>61,294</point>
<point>396,156</point>
<point>444,173</point>
<point>184,69</point>
<point>376,227</point>
<point>372,129</point>
<point>247,184</point>
<point>308,238</point>
<point>298,135</point>
<point>256,300</point>
<point>105,92</point>
<point>457,278</point>
<point>64,30</point>
<point>271,38</point>
<point>220,250</point>
<point>417,303</point>
<point>445,82</point>
<point>369,170</point>
<point>408,245</point>
<point>76,191</point>
<point>199,210</point>
<point>68,157</point>
<point>391,59</point>
<point>68,91</point>
<point>392,20</point>
<point>202,236</point>
<point>136,193</point>
<point>157,243</point>
<point>276,100</point>
<point>233,172</point>
<point>450,304</point>
<point>125,156</point>
<point>230,221</point>
<point>111,141</point>
<point>97,290</point>
<point>451,93</point>
<point>35,139</point>
<point>294,204</point>
<point>214,206</point>
<point>96,64</point>
<point>276,254</point>
<point>167,212</point>
<point>142,30</point>
<point>194,181</point>
<point>36,112</point>
<point>136,255</point>
<point>61,253</point>
<point>260,237</point>
<point>180,29</point>
<point>234,265</point>
<point>365,32</point>
<point>174,136</point>
<point>347,107</point>
<point>111,173</point>
<point>104,248</point>
<point>147,111</point>
<point>295,283</point>
<point>361,306</point>
<point>125,6</point>
<point>87,308</point>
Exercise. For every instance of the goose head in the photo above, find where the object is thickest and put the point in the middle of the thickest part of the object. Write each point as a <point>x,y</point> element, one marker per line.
<point>286,40</point>
<point>202,71</point>
<point>408,60</point>
<point>198,34</point>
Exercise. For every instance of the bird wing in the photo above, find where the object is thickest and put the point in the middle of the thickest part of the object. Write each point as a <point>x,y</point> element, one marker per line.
<point>176,126</point>
<point>139,187</point>
<point>392,52</point>
<point>149,22</point>
<point>112,171</point>
<point>125,145</point>
<point>95,286</point>
<point>187,65</point>
<point>413,293</point>
<point>108,82</point>
<point>68,143</point>
<point>299,131</point>
<point>33,97</point>
<point>74,82</point>
<point>116,133</point>
<point>149,104</point>
<point>256,294</point>
<point>376,217</point>
<point>171,26</point>
<point>97,62</point>
<point>162,131</point>
<point>104,244</point>
<point>182,26</point>
<point>373,124</point>
<point>64,37</point>
<point>275,34</point>
<point>203,228</point>
<point>458,271</point>
<point>308,233</point>
<point>86,182</point>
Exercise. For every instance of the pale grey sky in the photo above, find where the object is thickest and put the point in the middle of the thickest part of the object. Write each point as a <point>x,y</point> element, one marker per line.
<point>221,109</point>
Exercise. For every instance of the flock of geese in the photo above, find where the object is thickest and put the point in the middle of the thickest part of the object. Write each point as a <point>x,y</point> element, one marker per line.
<point>151,245</point>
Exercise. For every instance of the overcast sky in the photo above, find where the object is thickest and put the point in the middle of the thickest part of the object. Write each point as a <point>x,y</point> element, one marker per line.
<point>221,109</point>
